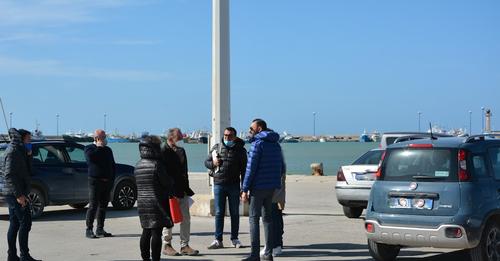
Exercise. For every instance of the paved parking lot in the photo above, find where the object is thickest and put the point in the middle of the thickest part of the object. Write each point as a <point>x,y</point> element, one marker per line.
<point>315,229</point>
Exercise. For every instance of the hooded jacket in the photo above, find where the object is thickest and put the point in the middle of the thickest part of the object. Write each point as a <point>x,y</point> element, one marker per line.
<point>154,187</point>
<point>234,162</point>
<point>265,162</point>
<point>16,167</point>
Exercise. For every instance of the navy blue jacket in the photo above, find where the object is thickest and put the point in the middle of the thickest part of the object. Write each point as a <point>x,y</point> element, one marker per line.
<point>265,162</point>
<point>100,161</point>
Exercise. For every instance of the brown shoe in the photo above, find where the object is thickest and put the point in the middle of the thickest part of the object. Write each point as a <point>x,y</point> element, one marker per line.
<point>169,250</point>
<point>188,251</point>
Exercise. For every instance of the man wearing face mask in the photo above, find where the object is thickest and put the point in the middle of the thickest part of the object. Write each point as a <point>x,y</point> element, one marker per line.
<point>227,162</point>
<point>101,169</point>
<point>16,168</point>
<point>175,159</point>
<point>263,176</point>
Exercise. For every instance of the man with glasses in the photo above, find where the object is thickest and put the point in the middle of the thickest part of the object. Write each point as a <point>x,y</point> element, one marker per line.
<point>227,162</point>
<point>263,176</point>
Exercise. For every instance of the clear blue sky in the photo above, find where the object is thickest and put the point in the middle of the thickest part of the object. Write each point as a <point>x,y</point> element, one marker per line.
<point>359,64</point>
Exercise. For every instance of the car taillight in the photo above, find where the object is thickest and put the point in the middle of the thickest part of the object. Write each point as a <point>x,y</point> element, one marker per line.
<point>340,175</point>
<point>463,174</point>
<point>378,175</point>
<point>370,228</point>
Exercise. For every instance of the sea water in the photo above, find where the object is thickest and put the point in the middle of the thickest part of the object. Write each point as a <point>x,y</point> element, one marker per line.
<point>298,156</point>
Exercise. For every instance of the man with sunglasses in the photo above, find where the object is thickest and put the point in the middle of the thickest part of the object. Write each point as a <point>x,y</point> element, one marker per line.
<point>263,176</point>
<point>227,162</point>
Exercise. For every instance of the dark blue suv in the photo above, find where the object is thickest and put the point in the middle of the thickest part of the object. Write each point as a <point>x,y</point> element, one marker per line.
<point>60,178</point>
<point>437,192</point>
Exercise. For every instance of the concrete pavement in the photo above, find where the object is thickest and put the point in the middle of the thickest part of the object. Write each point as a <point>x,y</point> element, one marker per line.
<point>315,229</point>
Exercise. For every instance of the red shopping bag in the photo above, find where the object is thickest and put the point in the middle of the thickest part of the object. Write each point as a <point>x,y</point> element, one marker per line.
<point>175,210</point>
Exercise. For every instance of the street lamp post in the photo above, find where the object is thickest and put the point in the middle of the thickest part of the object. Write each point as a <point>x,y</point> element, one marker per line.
<point>57,124</point>
<point>105,115</point>
<point>314,124</point>
<point>482,120</point>
<point>419,115</point>
<point>470,122</point>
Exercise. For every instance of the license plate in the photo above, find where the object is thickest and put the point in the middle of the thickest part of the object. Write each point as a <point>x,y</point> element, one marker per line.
<point>364,176</point>
<point>413,203</point>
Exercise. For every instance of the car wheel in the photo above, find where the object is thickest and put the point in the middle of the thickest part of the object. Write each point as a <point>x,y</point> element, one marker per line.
<point>352,212</point>
<point>37,201</point>
<point>488,248</point>
<point>78,206</point>
<point>383,252</point>
<point>125,195</point>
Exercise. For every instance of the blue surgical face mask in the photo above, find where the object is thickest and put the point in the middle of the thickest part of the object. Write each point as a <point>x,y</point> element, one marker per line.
<point>28,146</point>
<point>229,143</point>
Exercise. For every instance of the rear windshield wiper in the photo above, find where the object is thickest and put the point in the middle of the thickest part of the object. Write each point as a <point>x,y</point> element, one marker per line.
<point>427,177</point>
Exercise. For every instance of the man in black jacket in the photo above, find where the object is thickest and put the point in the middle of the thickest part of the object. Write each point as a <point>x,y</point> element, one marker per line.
<point>17,173</point>
<point>101,169</point>
<point>176,164</point>
<point>227,162</point>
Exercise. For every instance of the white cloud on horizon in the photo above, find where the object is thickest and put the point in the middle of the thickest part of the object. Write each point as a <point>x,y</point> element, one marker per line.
<point>54,68</point>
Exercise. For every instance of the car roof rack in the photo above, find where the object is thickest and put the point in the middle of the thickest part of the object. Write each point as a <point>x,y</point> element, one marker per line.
<point>479,137</point>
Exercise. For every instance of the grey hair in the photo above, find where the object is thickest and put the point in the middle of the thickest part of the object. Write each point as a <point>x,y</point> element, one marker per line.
<point>171,133</point>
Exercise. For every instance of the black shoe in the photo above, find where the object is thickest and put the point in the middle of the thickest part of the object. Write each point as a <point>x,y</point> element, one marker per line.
<point>251,258</point>
<point>28,258</point>
<point>101,233</point>
<point>268,258</point>
<point>89,233</point>
<point>13,258</point>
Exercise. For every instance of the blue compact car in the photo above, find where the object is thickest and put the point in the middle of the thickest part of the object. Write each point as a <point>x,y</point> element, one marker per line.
<point>437,192</point>
<point>60,178</point>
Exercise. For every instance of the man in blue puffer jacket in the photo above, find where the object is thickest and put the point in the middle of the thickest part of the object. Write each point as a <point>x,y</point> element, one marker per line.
<point>262,178</point>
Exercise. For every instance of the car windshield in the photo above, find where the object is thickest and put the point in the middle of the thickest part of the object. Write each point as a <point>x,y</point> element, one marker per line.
<point>420,164</point>
<point>370,158</point>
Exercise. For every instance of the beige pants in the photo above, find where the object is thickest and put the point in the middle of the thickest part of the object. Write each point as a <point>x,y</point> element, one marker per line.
<point>185,226</point>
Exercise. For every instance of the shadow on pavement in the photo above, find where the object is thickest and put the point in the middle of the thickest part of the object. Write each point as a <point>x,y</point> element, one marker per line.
<point>359,252</point>
<point>71,214</point>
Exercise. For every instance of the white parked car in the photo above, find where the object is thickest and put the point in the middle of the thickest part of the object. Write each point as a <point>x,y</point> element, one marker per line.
<point>354,183</point>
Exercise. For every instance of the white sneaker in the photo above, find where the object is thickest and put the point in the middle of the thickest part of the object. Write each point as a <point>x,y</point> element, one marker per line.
<point>236,243</point>
<point>277,251</point>
<point>263,251</point>
<point>216,245</point>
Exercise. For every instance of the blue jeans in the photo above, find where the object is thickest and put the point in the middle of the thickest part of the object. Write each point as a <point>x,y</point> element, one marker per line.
<point>20,223</point>
<point>261,202</point>
<point>278,226</point>
<point>232,193</point>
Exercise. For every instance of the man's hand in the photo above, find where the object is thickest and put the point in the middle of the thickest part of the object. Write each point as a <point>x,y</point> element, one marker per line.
<point>217,162</point>
<point>22,200</point>
<point>244,196</point>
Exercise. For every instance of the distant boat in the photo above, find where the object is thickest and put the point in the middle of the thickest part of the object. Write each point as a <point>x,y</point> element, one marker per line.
<point>365,137</point>
<point>375,137</point>
<point>322,140</point>
<point>117,139</point>
<point>287,138</point>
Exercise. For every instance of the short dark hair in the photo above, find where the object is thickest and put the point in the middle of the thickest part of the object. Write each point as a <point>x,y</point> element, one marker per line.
<point>23,133</point>
<point>151,139</point>
<point>260,123</point>
<point>231,129</point>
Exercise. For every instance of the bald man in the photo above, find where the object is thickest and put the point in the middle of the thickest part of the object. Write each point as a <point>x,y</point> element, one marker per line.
<point>101,169</point>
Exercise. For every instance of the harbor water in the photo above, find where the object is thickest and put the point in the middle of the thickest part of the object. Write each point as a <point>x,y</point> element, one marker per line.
<point>298,156</point>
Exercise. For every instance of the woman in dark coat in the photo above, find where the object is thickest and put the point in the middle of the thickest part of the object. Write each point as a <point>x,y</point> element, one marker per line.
<point>153,190</point>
